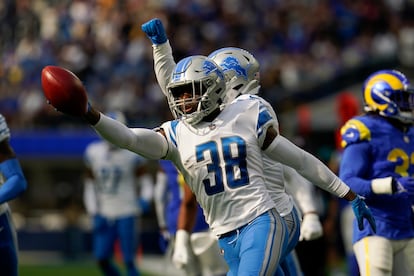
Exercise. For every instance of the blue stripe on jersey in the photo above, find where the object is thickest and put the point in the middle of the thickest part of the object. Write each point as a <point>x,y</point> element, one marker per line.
<point>264,117</point>
<point>173,134</point>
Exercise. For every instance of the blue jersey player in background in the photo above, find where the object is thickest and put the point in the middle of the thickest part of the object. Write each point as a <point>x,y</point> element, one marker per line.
<point>12,184</point>
<point>378,163</point>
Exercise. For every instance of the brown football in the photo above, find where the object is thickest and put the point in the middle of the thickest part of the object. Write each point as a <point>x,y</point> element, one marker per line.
<point>64,90</point>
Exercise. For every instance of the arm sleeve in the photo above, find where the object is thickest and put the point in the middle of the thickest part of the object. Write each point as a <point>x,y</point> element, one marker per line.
<point>310,167</point>
<point>160,198</point>
<point>353,167</point>
<point>301,190</point>
<point>15,182</point>
<point>164,64</point>
<point>146,142</point>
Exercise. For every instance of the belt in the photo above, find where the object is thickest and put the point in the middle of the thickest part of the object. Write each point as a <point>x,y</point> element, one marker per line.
<point>228,234</point>
<point>232,232</point>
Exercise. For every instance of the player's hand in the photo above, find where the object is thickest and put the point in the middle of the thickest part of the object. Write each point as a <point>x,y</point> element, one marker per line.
<point>311,227</point>
<point>362,211</point>
<point>182,249</point>
<point>406,184</point>
<point>154,29</point>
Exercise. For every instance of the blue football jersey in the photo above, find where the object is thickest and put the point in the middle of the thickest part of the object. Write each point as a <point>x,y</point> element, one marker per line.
<point>375,148</point>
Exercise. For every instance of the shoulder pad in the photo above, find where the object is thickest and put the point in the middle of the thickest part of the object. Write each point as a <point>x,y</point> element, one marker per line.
<point>354,131</point>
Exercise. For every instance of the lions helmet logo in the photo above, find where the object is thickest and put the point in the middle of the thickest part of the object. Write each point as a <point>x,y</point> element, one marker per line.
<point>231,63</point>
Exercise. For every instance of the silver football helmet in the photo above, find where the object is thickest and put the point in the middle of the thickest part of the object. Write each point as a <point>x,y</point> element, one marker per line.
<point>241,70</point>
<point>196,88</point>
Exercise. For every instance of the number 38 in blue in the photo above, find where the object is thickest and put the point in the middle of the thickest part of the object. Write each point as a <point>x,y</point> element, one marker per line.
<point>234,161</point>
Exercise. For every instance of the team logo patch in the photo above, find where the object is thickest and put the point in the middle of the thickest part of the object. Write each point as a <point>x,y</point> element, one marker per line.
<point>231,63</point>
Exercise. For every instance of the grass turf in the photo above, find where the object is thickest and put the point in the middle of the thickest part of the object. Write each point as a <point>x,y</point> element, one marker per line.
<point>70,269</point>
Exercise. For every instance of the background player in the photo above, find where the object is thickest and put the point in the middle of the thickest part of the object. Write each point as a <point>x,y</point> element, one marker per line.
<point>111,198</point>
<point>377,162</point>
<point>13,183</point>
<point>204,254</point>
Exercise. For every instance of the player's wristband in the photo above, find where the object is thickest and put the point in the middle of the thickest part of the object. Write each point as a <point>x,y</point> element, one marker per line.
<point>182,237</point>
<point>382,185</point>
<point>10,167</point>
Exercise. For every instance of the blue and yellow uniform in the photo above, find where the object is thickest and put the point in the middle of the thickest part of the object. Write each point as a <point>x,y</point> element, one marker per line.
<point>375,148</point>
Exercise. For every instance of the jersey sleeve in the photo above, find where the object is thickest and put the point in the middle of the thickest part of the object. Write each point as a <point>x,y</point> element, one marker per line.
<point>170,130</point>
<point>264,121</point>
<point>164,64</point>
<point>354,131</point>
<point>355,163</point>
<point>15,181</point>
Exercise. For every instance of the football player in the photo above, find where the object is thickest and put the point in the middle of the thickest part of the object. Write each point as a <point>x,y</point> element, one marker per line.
<point>377,162</point>
<point>13,183</point>
<point>219,152</point>
<point>241,71</point>
<point>204,254</point>
<point>112,178</point>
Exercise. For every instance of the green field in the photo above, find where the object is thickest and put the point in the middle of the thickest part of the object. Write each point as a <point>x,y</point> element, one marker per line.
<point>72,269</point>
<point>77,269</point>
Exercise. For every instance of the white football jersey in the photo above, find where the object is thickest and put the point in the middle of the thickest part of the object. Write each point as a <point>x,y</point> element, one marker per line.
<point>222,163</point>
<point>273,170</point>
<point>164,65</point>
<point>115,178</point>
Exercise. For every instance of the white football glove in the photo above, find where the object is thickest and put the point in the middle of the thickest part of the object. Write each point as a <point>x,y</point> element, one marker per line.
<point>182,249</point>
<point>311,227</point>
<point>4,129</point>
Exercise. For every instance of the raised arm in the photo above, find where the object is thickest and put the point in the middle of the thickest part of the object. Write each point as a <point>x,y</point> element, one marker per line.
<point>163,59</point>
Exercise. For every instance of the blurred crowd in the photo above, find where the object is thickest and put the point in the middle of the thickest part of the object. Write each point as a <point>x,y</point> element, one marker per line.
<point>299,43</point>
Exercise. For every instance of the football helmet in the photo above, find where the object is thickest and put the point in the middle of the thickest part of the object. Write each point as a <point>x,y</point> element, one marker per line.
<point>196,89</point>
<point>241,70</point>
<point>4,129</point>
<point>388,92</point>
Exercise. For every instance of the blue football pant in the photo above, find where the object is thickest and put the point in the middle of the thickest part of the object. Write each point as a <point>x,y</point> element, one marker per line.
<point>290,264</point>
<point>256,248</point>
<point>105,234</point>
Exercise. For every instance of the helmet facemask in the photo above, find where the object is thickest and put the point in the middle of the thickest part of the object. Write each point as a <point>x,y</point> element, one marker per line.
<point>196,92</point>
